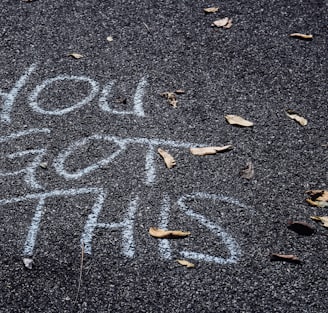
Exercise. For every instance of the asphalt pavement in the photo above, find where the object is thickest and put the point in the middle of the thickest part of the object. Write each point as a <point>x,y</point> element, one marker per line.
<point>82,116</point>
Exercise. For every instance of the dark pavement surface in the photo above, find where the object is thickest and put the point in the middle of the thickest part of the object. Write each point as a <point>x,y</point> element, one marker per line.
<point>254,70</point>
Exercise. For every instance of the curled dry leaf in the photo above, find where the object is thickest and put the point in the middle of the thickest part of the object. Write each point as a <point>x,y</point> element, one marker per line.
<point>302,36</point>
<point>211,10</point>
<point>168,158</point>
<point>238,120</point>
<point>322,219</point>
<point>294,116</point>
<point>28,263</point>
<point>318,198</point>
<point>285,257</point>
<point>301,228</point>
<point>248,171</point>
<point>210,150</point>
<point>44,165</point>
<point>222,22</point>
<point>186,263</point>
<point>229,24</point>
<point>161,233</point>
<point>76,55</point>
<point>171,97</point>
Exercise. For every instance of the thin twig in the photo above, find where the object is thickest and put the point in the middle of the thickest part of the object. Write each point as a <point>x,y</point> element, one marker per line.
<point>148,29</point>
<point>80,276</point>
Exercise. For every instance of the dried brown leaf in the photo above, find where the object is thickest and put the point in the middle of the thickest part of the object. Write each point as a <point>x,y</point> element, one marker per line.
<point>186,263</point>
<point>168,158</point>
<point>211,10</point>
<point>322,219</point>
<point>161,233</point>
<point>171,97</point>
<point>294,116</point>
<point>248,171</point>
<point>28,263</point>
<point>318,198</point>
<point>302,36</point>
<point>221,22</point>
<point>301,228</point>
<point>229,24</point>
<point>76,55</point>
<point>238,120</point>
<point>210,150</point>
<point>285,257</point>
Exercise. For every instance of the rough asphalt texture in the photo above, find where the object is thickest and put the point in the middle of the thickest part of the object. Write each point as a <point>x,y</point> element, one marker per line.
<point>253,69</point>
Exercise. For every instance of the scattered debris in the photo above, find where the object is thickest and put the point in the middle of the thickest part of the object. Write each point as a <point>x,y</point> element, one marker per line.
<point>210,150</point>
<point>322,219</point>
<point>44,165</point>
<point>28,263</point>
<point>248,171</point>
<point>122,100</point>
<point>211,10</point>
<point>171,97</point>
<point>295,116</point>
<point>110,39</point>
<point>168,158</point>
<point>238,120</point>
<point>76,55</point>
<point>285,257</point>
<point>161,233</point>
<point>301,228</point>
<point>225,22</point>
<point>318,198</point>
<point>186,263</point>
<point>302,36</point>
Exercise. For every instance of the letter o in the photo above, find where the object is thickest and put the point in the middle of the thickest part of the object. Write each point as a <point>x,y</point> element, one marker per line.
<point>33,98</point>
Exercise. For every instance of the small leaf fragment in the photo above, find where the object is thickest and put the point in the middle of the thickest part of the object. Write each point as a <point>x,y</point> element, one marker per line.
<point>229,24</point>
<point>211,10</point>
<point>322,219</point>
<point>317,198</point>
<point>285,257</point>
<point>301,228</point>
<point>221,22</point>
<point>171,97</point>
<point>248,171</point>
<point>168,158</point>
<point>161,233</point>
<point>28,263</point>
<point>295,116</point>
<point>238,120</point>
<point>186,263</point>
<point>210,150</point>
<point>44,165</point>
<point>76,55</point>
<point>109,39</point>
<point>302,36</point>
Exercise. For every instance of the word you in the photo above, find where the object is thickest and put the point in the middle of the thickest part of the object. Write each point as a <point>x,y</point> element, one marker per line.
<point>127,224</point>
<point>94,88</point>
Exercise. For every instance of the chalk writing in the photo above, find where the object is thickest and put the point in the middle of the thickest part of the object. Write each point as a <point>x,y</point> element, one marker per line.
<point>94,87</point>
<point>31,167</point>
<point>10,97</point>
<point>138,105</point>
<point>90,224</point>
<point>122,143</point>
<point>33,158</point>
<point>33,98</point>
